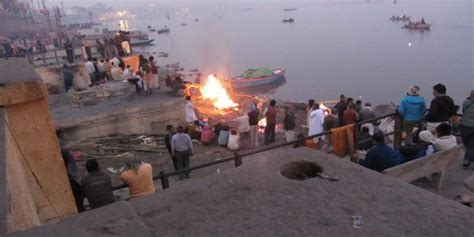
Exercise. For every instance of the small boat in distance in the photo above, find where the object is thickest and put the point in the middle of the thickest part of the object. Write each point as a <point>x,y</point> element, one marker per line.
<point>417,26</point>
<point>141,42</point>
<point>163,31</point>
<point>289,20</point>
<point>257,77</point>
<point>184,24</point>
<point>400,18</point>
<point>420,25</point>
<point>289,9</point>
<point>152,30</point>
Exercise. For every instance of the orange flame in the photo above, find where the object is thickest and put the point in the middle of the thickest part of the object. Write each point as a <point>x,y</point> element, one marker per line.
<point>214,91</point>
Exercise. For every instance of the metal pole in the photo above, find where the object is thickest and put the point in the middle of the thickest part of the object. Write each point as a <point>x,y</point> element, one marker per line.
<point>56,56</point>
<point>397,143</point>
<point>165,183</point>
<point>237,159</point>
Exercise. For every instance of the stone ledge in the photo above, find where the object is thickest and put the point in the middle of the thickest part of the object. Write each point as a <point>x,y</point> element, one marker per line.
<point>117,219</point>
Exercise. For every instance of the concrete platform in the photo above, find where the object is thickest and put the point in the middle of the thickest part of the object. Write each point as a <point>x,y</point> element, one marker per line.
<point>136,114</point>
<point>256,200</point>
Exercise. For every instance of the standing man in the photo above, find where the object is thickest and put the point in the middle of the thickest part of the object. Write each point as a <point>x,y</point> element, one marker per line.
<point>100,47</point>
<point>316,120</point>
<point>467,129</point>
<point>154,71</point>
<point>289,124</point>
<point>170,132</point>
<point>350,116</point>
<point>441,108</point>
<point>270,116</point>
<point>69,50</point>
<point>412,109</point>
<point>190,111</point>
<point>253,122</point>
<point>97,185</point>
<point>68,76</point>
<point>243,126</point>
<point>340,107</point>
<point>182,149</point>
<point>89,66</point>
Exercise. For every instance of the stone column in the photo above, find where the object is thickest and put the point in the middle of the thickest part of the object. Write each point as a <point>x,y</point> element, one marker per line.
<point>34,174</point>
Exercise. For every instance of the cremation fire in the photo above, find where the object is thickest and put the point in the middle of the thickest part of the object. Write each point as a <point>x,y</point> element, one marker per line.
<point>214,91</point>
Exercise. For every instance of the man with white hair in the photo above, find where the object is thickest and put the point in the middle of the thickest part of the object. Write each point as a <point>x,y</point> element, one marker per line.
<point>412,109</point>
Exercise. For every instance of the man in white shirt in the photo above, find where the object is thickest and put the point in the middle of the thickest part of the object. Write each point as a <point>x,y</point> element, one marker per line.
<point>243,126</point>
<point>444,140</point>
<point>315,122</point>
<point>89,66</point>
<point>189,109</point>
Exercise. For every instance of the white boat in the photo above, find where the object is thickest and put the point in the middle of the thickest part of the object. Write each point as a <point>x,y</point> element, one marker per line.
<point>417,26</point>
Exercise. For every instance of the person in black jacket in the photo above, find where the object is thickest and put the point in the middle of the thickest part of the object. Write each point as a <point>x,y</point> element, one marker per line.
<point>97,186</point>
<point>168,137</point>
<point>75,187</point>
<point>441,108</point>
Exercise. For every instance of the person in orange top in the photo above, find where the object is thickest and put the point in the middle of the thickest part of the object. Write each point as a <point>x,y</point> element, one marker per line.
<point>138,177</point>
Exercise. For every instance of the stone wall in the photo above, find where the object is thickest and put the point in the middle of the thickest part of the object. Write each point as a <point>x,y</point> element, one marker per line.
<point>146,120</point>
<point>36,179</point>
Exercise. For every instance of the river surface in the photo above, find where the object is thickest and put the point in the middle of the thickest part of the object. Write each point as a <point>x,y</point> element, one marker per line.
<point>332,48</point>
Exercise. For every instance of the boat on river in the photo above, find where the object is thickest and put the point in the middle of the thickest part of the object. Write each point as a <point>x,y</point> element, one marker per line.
<point>417,26</point>
<point>289,20</point>
<point>163,31</point>
<point>138,42</point>
<point>258,77</point>
<point>400,18</point>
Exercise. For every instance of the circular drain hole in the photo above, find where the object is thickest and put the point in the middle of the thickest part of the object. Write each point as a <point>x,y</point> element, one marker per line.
<point>301,170</point>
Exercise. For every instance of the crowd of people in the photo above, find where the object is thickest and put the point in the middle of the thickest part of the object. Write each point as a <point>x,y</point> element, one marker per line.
<point>145,78</point>
<point>427,131</point>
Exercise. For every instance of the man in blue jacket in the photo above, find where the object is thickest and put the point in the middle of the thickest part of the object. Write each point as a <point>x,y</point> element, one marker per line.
<point>412,109</point>
<point>381,157</point>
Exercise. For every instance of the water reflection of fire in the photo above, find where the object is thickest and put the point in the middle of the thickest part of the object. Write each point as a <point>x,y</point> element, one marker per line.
<point>214,91</point>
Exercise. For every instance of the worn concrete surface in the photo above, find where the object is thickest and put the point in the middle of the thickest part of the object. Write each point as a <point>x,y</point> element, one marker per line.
<point>136,114</point>
<point>117,219</point>
<point>255,200</point>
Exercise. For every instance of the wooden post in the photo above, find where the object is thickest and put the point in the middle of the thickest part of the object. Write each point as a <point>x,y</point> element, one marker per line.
<point>437,179</point>
<point>165,183</point>
<point>56,56</point>
<point>356,131</point>
<point>237,159</point>
<point>397,143</point>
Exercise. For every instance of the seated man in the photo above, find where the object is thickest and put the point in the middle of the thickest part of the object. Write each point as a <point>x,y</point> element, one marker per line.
<point>364,141</point>
<point>97,186</point>
<point>424,147</point>
<point>444,140</point>
<point>138,177</point>
<point>381,157</point>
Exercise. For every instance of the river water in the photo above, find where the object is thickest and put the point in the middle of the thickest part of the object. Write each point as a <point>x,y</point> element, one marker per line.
<point>332,48</point>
